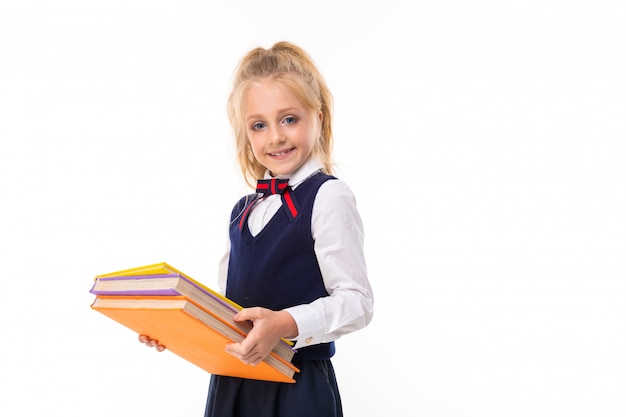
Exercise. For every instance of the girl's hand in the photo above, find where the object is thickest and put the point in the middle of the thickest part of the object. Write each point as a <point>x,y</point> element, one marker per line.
<point>151,342</point>
<point>268,327</point>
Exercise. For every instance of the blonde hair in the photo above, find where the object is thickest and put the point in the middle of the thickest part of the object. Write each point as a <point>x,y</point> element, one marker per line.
<point>291,66</point>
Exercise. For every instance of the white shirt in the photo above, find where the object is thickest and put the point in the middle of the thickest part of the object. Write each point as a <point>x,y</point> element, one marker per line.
<point>338,233</point>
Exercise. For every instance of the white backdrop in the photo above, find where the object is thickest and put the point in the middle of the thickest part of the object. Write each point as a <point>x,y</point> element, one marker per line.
<point>485,141</point>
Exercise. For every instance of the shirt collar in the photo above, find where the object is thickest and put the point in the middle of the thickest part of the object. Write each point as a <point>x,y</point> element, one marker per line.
<point>310,167</point>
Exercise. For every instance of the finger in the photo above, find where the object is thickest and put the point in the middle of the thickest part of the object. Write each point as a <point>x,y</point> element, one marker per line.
<point>230,350</point>
<point>251,314</point>
<point>152,343</point>
<point>253,359</point>
<point>160,348</point>
<point>143,338</point>
<point>236,349</point>
<point>242,315</point>
<point>247,357</point>
<point>257,361</point>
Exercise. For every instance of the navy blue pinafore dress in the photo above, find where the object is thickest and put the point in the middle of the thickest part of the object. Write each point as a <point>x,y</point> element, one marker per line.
<point>277,269</point>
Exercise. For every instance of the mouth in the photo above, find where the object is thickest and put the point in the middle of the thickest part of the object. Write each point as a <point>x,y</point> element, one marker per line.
<point>281,153</point>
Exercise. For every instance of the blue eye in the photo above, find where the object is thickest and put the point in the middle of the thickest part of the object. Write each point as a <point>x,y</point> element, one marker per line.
<point>290,120</point>
<point>258,126</point>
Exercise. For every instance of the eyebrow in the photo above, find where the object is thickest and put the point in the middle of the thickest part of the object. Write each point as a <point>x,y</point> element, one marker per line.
<point>285,110</point>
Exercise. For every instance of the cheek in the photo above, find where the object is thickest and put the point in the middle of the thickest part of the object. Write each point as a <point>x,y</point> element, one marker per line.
<point>255,146</point>
<point>250,140</point>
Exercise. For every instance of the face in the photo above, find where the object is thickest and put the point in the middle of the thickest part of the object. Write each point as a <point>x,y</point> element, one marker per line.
<point>281,130</point>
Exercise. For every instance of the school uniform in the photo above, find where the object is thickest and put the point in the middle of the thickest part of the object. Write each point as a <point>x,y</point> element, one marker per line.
<point>299,250</point>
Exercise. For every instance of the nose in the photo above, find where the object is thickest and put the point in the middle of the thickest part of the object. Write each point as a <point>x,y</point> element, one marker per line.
<point>275,134</point>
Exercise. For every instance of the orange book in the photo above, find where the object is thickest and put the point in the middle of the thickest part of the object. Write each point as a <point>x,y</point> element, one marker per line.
<point>192,333</point>
<point>162,279</point>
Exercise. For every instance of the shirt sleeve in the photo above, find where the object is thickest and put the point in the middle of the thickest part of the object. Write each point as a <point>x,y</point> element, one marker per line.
<point>339,246</point>
<point>222,272</point>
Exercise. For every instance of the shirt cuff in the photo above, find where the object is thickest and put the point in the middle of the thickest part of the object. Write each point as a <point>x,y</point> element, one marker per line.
<point>310,322</point>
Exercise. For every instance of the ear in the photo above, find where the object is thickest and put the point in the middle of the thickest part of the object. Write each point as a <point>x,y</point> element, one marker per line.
<point>320,119</point>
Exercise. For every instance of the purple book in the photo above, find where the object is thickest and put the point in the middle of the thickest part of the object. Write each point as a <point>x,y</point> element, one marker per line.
<point>160,285</point>
<point>98,290</point>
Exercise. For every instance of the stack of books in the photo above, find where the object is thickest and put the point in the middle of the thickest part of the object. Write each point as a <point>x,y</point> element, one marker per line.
<point>187,318</point>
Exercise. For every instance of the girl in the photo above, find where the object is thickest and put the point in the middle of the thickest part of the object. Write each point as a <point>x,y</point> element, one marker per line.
<point>295,258</point>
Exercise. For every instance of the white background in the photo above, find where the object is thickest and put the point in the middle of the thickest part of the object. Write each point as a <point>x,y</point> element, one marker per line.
<point>485,141</point>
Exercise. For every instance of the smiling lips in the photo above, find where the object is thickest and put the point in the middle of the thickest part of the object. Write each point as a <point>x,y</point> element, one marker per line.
<point>281,153</point>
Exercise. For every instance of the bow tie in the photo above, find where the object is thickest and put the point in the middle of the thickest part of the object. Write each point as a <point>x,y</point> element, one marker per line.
<point>271,187</point>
